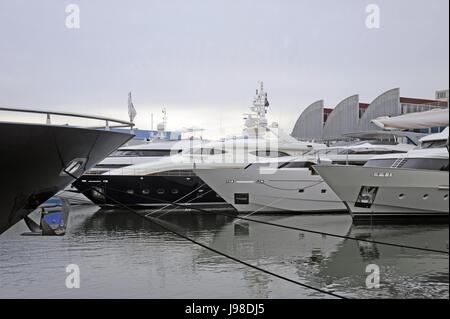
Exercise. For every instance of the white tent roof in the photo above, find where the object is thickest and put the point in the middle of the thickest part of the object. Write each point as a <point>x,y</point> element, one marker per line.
<point>433,118</point>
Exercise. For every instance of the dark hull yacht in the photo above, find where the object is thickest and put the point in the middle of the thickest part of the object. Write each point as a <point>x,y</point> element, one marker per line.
<point>172,179</point>
<point>37,161</point>
<point>184,188</point>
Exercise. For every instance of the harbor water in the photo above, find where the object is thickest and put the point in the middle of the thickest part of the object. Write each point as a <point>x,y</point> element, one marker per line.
<point>121,255</point>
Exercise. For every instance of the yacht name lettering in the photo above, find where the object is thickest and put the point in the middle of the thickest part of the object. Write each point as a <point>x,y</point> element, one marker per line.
<point>382,174</point>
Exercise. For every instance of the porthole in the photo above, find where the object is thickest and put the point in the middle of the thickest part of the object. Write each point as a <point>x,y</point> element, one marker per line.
<point>200,190</point>
<point>301,190</point>
<point>174,191</point>
<point>160,191</point>
<point>425,196</point>
<point>130,191</point>
<point>146,191</point>
<point>323,191</point>
<point>401,196</point>
<point>445,196</point>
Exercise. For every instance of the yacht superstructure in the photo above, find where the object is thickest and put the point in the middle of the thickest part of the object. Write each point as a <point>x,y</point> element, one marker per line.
<point>411,184</point>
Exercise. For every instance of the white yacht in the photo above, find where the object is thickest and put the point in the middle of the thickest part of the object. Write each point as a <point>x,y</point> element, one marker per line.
<point>289,185</point>
<point>173,179</point>
<point>411,184</point>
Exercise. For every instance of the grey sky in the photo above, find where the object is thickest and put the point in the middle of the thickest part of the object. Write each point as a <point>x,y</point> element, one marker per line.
<point>201,59</point>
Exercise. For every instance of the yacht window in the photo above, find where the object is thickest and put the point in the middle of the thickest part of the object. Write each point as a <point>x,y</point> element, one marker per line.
<point>294,165</point>
<point>179,172</point>
<point>380,162</point>
<point>111,166</point>
<point>369,152</point>
<point>144,153</point>
<point>434,144</point>
<point>427,163</point>
<point>207,151</point>
<point>215,151</point>
<point>412,163</point>
<point>269,154</point>
<point>261,165</point>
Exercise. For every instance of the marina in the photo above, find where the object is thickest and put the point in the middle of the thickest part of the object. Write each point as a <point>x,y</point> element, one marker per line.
<point>122,256</point>
<point>262,206</point>
<point>220,158</point>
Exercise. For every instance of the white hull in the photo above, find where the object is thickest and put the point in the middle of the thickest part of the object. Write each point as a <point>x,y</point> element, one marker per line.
<point>277,192</point>
<point>394,192</point>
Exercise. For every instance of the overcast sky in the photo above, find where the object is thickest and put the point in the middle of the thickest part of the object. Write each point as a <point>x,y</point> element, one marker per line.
<point>202,59</point>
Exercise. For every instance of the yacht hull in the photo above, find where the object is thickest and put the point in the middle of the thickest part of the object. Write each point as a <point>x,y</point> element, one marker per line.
<point>149,190</point>
<point>385,193</point>
<point>277,191</point>
<point>33,158</point>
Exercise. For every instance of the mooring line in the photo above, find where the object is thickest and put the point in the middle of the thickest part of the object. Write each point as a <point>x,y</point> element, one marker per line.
<point>181,198</point>
<point>152,220</point>
<point>290,227</point>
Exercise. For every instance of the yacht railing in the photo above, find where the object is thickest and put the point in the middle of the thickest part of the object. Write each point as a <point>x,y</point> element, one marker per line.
<point>108,121</point>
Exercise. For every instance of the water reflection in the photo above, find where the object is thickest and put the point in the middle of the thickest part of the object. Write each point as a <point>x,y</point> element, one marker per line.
<point>122,255</point>
<point>404,272</point>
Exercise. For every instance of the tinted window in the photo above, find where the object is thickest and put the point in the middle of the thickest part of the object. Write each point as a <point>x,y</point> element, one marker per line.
<point>260,165</point>
<point>111,166</point>
<point>270,154</point>
<point>427,163</point>
<point>380,162</point>
<point>143,153</point>
<point>414,163</point>
<point>369,152</point>
<point>295,165</point>
<point>207,151</point>
<point>434,144</point>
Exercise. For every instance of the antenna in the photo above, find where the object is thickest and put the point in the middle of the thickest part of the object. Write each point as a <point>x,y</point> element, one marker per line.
<point>164,112</point>
<point>257,120</point>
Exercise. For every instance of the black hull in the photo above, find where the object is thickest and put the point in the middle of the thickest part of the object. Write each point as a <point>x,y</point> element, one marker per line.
<point>33,156</point>
<point>154,190</point>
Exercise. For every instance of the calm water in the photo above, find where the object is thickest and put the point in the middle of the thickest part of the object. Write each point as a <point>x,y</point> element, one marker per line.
<point>120,255</point>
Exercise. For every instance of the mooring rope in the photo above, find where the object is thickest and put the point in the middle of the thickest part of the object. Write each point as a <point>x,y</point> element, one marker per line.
<point>286,226</point>
<point>152,220</point>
